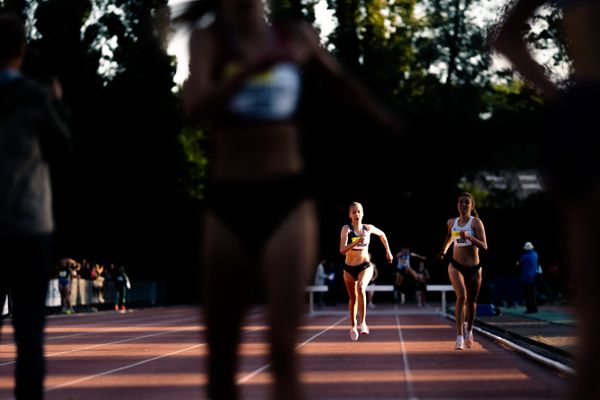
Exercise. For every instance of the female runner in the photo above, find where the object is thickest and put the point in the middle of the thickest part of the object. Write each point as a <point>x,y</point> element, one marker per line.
<point>467,234</point>
<point>358,271</point>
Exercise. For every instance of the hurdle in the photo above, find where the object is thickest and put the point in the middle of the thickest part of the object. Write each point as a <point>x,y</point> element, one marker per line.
<point>312,289</point>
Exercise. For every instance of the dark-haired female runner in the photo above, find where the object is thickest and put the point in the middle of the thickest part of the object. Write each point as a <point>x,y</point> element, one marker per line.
<point>467,235</point>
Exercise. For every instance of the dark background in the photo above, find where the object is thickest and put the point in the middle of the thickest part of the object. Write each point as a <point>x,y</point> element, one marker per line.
<point>131,192</point>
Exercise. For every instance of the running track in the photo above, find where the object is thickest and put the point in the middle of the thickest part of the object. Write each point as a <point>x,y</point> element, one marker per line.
<point>159,354</point>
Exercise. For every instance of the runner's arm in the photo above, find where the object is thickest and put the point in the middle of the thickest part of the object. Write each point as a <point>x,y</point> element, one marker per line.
<point>376,231</point>
<point>479,239</point>
<point>447,241</point>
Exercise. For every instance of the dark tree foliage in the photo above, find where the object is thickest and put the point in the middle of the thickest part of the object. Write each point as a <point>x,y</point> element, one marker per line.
<point>131,191</point>
<point>117,197</point>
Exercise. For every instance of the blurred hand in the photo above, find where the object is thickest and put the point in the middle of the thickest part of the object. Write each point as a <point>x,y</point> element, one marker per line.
<point>389,257</point>
<point>465,234</point>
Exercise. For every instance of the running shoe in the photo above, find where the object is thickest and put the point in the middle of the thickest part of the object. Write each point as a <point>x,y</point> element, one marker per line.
<point>354,334</point>
<point>364,329</point>
<point>460,343</point>
<point>468,338</point>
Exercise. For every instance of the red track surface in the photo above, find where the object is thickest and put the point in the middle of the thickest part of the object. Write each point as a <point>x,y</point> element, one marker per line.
<point>160,353</point>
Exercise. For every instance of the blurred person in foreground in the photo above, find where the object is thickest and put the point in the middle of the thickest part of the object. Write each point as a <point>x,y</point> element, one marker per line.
<point>32,134</point>
<point>571,162</point>
<point>246,76</point>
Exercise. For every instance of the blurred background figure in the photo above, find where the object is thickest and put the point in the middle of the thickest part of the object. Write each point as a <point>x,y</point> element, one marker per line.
<point>246,76</point>
<point>371,294</point>
<point>571,157</point>
<point>422,276</point>
<point>97,276</point>
<point>404,269</point>
<point>67,269</point>
<point>32,135</point>
<point>322,278</point>
<point>529,269</point>
<point>122,284</point>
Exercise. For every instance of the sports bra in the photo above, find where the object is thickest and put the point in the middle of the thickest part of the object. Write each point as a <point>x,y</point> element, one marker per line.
<point>353,237</point>
<point>272,94</point>
<point>456,229</point>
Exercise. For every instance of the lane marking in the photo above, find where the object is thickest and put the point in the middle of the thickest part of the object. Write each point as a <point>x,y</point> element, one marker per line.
<point>155,322</point>
<point>112,371</point>
<point>407,373</point>
<point>116,328</point>
<point>266,366</point>
<point>113,342</point>
<point>95,346</point>
<point>133,365</point>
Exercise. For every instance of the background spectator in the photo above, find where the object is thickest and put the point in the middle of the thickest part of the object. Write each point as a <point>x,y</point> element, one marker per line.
<point>98,283</point>
<point>321,278</point>
<point>529,268</point>
<point>122,284</point>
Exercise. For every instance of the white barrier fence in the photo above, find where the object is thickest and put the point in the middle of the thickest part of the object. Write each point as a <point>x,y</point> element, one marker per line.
<point>311,290</point>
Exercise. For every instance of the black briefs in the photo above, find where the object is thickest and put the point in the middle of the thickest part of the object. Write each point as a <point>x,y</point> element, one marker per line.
<point>467,272</point>
<point>253,210</point>
<point>356,269</point>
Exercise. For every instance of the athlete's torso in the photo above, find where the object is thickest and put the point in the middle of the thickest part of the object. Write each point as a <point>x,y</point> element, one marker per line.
<point>256,135</point>
<point>457,229</point>
<point>359,253</point>
<point>403,260</point>
<point>464,251</point>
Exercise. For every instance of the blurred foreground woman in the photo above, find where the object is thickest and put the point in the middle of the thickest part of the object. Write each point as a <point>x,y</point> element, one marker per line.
<point>572,164</point>
<point>260,226</point>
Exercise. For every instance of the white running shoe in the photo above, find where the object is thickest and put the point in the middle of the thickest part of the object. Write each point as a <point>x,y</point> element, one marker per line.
<point>353,334</point>
<point>469,338</point>
<point>364,329</point>
<point>460,343</point>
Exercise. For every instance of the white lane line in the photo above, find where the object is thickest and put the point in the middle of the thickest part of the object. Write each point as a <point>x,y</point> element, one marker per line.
<point>407,373</point>
<point>122,328</point>
<point>133,365</point>
<point>266,366</point>
<point>117,342</point>
<point>108,343</point>
<point>117,328</point>
<point>112,371</point>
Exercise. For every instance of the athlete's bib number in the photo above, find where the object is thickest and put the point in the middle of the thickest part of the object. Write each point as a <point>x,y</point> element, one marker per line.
<point>459,241</point>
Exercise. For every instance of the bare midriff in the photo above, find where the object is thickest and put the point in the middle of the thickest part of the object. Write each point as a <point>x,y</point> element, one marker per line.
<point>355,258</point>
<point>245,152</point>
<point>467,256</point>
